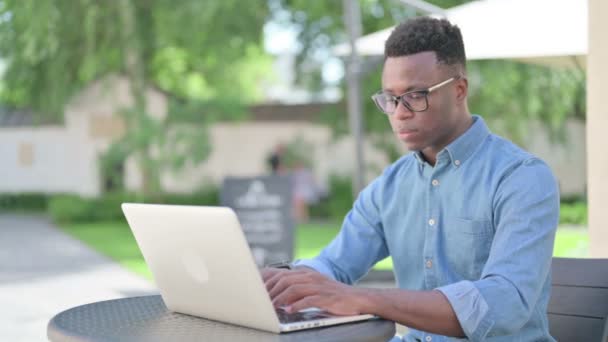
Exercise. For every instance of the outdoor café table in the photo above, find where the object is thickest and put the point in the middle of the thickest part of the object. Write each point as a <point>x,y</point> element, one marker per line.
<point>148,319</point>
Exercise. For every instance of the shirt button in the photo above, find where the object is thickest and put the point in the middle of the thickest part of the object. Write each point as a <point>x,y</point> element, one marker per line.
<point>431,222</point>
<point>429,263</point>
<point>435,182</point>
<point>456,162</point>
<point>428,339</point>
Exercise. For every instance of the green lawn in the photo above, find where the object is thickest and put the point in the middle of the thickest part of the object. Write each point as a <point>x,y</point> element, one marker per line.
<point>114,239</point>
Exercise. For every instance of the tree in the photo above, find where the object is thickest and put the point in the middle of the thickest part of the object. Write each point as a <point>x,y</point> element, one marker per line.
<point>54,48</point>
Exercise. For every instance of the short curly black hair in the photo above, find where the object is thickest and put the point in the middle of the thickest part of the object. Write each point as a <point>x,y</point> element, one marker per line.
<point>423,34</point>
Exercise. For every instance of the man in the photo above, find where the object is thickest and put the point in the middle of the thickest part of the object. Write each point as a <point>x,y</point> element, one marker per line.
<point>468,218</point>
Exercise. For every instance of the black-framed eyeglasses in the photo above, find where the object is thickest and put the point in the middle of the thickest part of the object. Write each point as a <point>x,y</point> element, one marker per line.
<point>415,100</point>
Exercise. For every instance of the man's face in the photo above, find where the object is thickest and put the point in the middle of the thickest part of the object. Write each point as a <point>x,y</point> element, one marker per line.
<point>432,129</point>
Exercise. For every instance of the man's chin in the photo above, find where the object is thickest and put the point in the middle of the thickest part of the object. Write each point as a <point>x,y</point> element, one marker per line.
<point>411,142</point>
<point>412,145</point>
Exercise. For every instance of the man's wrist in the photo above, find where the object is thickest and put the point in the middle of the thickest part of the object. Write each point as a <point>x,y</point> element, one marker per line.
<point>369,300</point>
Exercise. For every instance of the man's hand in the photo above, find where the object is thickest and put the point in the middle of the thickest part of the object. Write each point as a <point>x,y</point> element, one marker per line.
<point>304,287</point>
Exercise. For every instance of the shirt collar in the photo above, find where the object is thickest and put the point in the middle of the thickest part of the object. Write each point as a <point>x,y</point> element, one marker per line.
<point>419,157</point>
<point>461,149</point>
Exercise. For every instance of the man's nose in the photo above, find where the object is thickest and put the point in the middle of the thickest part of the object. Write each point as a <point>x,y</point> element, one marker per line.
<point>402,112</point>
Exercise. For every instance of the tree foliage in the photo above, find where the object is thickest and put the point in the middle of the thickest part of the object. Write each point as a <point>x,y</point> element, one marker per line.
<point>192,49</point>
<point>201,53</point>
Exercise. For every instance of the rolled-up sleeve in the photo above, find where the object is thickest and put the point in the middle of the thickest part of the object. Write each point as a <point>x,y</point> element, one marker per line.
<point>470,307</point>
<point>516,275</point>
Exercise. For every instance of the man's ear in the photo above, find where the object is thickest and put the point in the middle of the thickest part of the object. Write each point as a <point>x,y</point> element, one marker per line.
<point>462,89</point>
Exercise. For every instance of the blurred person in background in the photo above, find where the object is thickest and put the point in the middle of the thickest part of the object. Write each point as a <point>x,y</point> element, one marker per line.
<point>304,191</point>
<point>275,160</point>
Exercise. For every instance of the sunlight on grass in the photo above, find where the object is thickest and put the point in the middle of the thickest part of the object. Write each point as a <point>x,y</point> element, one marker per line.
<point>114,239</point>
<point>571,243</point>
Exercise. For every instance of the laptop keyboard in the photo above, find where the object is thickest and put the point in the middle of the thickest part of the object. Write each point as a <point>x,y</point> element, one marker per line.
<point>301,316</point>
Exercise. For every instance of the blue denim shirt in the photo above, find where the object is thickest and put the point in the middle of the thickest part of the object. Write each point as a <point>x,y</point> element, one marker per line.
<point>479,226</point>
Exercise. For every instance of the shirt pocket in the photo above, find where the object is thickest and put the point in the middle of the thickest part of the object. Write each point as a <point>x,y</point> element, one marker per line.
<point>467,245</point>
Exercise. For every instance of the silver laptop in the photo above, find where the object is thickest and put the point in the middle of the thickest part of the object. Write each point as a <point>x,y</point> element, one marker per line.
<point>203,267</point>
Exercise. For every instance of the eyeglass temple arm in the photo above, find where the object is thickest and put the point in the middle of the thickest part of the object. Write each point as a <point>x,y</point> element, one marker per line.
<point>436,86</point>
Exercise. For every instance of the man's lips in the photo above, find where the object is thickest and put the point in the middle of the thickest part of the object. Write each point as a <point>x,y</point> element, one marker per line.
<point>405,133</point>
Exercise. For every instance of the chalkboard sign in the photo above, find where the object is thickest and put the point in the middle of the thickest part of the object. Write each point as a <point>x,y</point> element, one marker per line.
<point>264,208</point>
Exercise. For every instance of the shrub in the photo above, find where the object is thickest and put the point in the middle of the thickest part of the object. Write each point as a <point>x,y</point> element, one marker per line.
<point>573,213</point>
<point>209,196</point>
<point>338,202</point>
<point>70,208</point>
<point>29,202</point>
<point>73,208</point>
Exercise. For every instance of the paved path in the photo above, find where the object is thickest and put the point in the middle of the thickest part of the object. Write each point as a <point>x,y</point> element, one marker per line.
<point>44,271</point>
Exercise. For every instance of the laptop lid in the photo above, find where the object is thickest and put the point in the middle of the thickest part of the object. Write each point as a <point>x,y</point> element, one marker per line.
<point>202,265</point>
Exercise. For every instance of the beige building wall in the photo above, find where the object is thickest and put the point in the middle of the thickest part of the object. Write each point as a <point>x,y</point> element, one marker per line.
<point>242,149</point>
<point>597,128</point>
<point>94,116</point>
<point>47,159</point>
<point>566,158</point>
<point>65,159</point>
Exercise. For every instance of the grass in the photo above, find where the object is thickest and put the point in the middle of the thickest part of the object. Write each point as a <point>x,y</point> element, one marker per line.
<point>114,239</point>
<point>571,243</point>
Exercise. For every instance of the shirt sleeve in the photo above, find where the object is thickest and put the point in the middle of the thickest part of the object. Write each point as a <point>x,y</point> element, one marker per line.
<point>360,242</point>
<point>516,275</point>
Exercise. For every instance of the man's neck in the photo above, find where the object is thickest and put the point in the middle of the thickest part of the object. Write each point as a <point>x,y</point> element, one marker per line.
<point>430,154</point>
